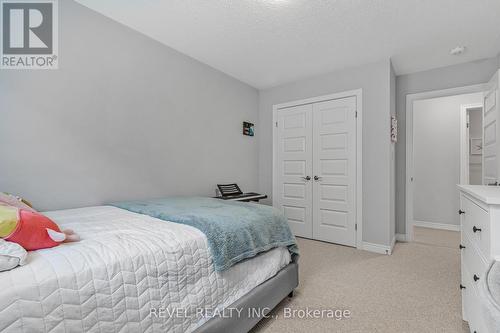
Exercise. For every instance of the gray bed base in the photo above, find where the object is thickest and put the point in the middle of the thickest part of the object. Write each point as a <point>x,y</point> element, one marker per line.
<point>267,295</point>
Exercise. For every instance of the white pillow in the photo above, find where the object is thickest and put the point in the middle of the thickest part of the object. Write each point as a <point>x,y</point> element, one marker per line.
<point>11,255</point>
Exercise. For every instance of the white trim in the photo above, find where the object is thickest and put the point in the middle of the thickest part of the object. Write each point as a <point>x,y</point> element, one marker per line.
<point>434,225</point>
<point>359,167</point>
<point>464,152</point>
<point>464,141</point>
<point>358,93</point>
<point>401,237</point>
<point>410,98</point>
<point>322,98</point>
<point>377,248</point>
<point>393,243</point>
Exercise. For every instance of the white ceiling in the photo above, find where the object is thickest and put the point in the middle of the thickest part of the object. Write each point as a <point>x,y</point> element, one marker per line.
<point>269,42</point>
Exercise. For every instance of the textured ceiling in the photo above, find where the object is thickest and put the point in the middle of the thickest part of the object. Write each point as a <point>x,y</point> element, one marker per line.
<point>269,42</point>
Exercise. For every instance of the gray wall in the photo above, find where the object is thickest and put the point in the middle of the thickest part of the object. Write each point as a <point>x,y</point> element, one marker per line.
<point>374,79</point>
<point>436,149</point>
<point>442,78</point>
<point>124,117</point>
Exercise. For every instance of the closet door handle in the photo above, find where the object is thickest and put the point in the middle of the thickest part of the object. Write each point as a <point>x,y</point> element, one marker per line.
<point>460,212</point>
<point>316,178</point>
<point>461,247</point>
<point>475,229</point>
<point>476,277</point>
<point>308,178</point>
<point>462,286</point>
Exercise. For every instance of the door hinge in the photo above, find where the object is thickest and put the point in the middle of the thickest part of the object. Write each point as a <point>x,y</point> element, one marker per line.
<point>276,124</point>
<point>356,114</point>
<point>467,125</point>
<point>356,226</point>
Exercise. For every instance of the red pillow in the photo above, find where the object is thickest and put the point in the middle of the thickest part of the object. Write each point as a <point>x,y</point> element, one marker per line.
<point>35,231</point>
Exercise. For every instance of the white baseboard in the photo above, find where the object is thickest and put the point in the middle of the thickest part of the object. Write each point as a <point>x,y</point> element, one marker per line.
<point>401,237</point>
<point>393,243</point>
<point>377,248</point>
<point>433,225</point>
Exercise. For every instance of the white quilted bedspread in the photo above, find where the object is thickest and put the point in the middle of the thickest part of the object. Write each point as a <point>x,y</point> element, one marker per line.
<point>125,265</point>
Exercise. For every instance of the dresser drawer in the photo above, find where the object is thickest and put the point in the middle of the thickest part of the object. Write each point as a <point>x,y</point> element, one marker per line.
<point>473,263</point>
<point>472,306</point>
<point>475,224</point>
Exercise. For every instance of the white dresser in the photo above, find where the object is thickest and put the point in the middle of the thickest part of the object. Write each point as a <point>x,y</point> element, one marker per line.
<point>480,229</point>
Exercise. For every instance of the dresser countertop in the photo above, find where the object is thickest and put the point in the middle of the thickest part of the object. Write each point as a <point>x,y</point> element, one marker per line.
<point>487,194</point>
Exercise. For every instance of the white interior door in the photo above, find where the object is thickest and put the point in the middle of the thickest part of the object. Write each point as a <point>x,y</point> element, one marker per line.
<point>334,176</point>
<point>294,167</point>
<point>490,133</point>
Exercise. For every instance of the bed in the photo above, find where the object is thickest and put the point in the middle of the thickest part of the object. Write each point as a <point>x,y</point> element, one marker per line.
<point>135,273</point>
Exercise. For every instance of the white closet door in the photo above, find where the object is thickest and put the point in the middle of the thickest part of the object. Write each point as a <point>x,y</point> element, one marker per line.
<point>334,163</point>
<point>294,161</point>
<point>490,133</point>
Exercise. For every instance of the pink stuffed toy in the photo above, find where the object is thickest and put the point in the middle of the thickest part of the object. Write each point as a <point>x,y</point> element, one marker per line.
<point>30,229</point>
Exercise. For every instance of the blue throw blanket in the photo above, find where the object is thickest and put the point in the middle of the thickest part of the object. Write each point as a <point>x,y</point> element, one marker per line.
<point>235,230</point>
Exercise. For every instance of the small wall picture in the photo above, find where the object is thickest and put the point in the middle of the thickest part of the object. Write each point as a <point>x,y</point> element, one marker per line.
<point>248,128</point>
<point>394,129</point>
<point>476,146</point>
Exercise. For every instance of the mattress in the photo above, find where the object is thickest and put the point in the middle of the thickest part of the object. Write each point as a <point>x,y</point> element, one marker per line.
<point>489,293</point>
<point>129,273</point>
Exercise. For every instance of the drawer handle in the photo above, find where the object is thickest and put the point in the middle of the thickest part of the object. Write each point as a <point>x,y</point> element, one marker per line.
<point>475,229</point>
<point>462,286</point>
<point>476,277</point>
<point>460,212</point>
<point>461,247</point>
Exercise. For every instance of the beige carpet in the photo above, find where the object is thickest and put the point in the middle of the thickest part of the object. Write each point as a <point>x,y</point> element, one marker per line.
<point>413,290</point>
<point>436,237</point>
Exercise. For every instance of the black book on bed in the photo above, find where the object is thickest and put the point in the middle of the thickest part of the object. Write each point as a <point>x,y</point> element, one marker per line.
<point>233,192</point>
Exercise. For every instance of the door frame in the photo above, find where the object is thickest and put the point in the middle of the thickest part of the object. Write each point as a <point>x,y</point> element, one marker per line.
<point>410,99</point>
<point>464,141</point>
<point>358,93</point>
